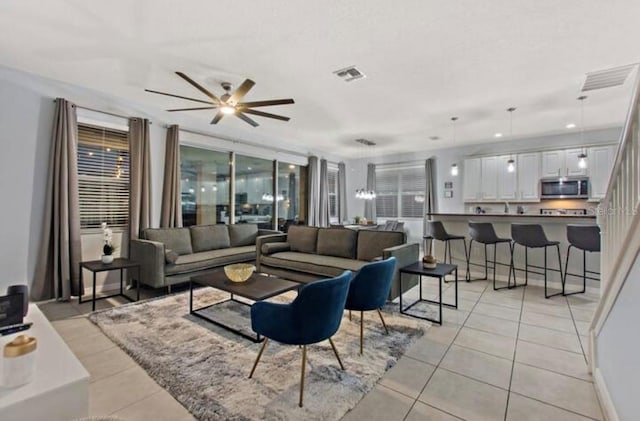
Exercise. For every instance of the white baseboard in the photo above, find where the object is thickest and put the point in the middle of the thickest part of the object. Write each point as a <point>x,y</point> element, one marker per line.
<point>606,403</point>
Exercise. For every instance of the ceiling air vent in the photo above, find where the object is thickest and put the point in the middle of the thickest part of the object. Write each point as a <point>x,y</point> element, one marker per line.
<point>366,142</point>
<point>349,73</point>
<point>607,78</point>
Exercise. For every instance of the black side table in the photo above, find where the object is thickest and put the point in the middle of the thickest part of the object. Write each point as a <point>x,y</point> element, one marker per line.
<point>96,266</point>
<point>440,271</point>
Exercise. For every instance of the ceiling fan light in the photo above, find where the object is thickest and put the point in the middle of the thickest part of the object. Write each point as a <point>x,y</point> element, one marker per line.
<point>227,109</point>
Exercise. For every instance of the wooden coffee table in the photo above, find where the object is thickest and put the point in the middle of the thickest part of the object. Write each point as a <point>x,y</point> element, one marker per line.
<point>257,288</point>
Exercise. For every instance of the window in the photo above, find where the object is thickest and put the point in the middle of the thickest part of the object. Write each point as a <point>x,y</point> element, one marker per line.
<point>103,177</point>
<point>289,189</point>
<point>400,192</point>
<point>204,181</point>
<point>254,191</point>
<point>333,195</point>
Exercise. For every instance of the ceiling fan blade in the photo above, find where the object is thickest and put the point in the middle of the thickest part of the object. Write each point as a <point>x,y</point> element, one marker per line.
<point>263,114</point>
<point>254,104</point>
<point>217,118</point>
<point>192,109</point>
<point>178,96</point>
<point>246,119</point>
<point>198,87</point>
<point>241,91</point>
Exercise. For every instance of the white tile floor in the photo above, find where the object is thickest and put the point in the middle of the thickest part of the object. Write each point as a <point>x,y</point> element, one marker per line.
<point>504,355</point>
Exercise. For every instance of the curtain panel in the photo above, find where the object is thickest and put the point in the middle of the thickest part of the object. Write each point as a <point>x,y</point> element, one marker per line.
<point>313,190</point>
<point>430,195</point>
<point>140,177</point>
<point>323,217</point>
<point>171,210</point>
<point>57,269</point>
<point>370,205</point>
<point>343,214</point>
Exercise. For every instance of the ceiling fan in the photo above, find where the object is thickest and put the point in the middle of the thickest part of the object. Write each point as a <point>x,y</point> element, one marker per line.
<point>229,103</point>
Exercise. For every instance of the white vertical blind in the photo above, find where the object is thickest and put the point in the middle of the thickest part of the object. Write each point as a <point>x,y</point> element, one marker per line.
<point>103,177</point>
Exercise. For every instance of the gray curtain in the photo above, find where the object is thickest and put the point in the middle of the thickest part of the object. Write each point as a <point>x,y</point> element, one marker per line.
<point>323,217</point>
<point>370,205</point>
<point>171,210</point>
<point>313,190</point>
<point>140,176</point>
<point>56,274</point>
<point>343,215</point>
<point>430,186</point>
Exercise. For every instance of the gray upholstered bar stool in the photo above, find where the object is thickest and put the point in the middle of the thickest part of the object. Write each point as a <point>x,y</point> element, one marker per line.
<point>484,233</point>
<point>587,239</point>
<point>436,231</point>
<point>533,236</point>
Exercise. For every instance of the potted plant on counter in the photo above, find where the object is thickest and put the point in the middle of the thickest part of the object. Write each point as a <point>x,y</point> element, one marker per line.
<point>108,248</point>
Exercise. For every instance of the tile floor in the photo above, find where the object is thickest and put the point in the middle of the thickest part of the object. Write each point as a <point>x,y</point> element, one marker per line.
<point>503,355</point>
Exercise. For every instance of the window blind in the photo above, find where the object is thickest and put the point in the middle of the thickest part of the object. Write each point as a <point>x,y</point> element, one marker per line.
<point>412,187</point>
<point>103,177</point>
<point>333,194</point>
<point>400,193</point>
<point>387,194</point>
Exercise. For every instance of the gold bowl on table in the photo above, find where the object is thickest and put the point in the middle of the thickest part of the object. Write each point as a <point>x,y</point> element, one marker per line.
<point>239,272</point>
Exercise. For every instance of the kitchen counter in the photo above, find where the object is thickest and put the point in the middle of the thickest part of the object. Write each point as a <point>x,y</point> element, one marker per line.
<point>513,215</point>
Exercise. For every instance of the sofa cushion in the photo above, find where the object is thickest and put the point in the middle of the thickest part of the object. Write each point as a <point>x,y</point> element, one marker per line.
<point>337,242</point>
<point>302,238</point>
<point>176,239</point>
<point>372,243</point>
<point>209,237</point>
<point>243,234</point>
<point>270,248</point>
<point>312,263</point>
<point>170,256</point>
<point>211,259</point>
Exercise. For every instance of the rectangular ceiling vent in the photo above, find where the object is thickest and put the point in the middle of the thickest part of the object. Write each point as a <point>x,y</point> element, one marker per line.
<point>349,73</point>
<point>607,78</point>
<point>366,142</point>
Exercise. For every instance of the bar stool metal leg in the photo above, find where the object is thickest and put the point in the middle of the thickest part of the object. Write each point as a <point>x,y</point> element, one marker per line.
<point>584,273</point>
<point>546,295</point>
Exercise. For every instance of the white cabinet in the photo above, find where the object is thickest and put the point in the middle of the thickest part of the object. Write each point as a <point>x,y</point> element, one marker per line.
<point>489,177</point>
<point>471,173</point>
<point>599,164</point>
<point>507,181</point>
<point>572,158</point>
<point>529,176</point>
<point>552,163</point>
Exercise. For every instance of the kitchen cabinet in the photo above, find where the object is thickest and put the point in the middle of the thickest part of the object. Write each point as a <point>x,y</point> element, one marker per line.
<point>489,178</point>
<point>471,173</point>
<point>507,181</point>
<point>599,165</point>
<point>528,171</point>
<point>553,163</point>
<point>572,169</point>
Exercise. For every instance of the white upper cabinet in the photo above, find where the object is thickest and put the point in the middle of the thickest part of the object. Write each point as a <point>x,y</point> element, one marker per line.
<point>599,165</point>
<point>471,173</point>
<point>489,176</point>
<point>571,163</point>
<point>553,164</point>
<point>528,171</point>
<point>507,181</point>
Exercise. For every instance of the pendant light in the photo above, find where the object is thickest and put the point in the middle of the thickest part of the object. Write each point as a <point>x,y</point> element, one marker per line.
<point>454,166</point>
<point>363,193</point>
<point>582,158</point>
<point>511,164</point>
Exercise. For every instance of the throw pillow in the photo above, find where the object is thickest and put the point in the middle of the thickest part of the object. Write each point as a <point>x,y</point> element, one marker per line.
<point>170,256</point>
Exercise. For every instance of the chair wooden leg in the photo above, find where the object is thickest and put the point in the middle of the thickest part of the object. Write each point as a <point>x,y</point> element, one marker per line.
<point>361,330</point>
<point>349,315</point>
<point>304,363</point>
<point>335,351</point>
<point>255,364</point>
<point>383,323</point>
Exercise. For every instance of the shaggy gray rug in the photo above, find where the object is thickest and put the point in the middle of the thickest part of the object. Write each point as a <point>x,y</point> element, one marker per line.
<point>206,368</point>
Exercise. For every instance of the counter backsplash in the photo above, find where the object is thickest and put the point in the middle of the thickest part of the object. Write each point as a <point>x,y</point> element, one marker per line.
<point>534,208</point>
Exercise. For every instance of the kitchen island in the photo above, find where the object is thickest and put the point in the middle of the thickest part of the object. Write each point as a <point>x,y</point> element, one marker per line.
<point>555,227</point>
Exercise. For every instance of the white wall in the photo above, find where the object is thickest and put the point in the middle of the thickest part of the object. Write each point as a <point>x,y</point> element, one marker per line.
<point>619,348</point>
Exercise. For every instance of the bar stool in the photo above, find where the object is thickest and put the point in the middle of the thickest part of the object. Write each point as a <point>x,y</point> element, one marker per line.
<point>533,236</point>
<point>436,231</point>
<point>587,239</point>
<point>484,233</point>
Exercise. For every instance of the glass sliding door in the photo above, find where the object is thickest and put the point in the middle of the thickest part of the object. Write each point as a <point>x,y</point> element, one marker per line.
<point>204,184</point>
<point>254,199</point>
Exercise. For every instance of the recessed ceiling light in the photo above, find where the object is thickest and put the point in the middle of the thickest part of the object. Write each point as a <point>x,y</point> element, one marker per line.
<point>434,137</point>
<point>570,126</point>
<point>497,135</point>
<point>292,167</point>
<point>249,168</point>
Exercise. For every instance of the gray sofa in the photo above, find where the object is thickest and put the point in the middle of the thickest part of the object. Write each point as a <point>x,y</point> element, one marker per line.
<point>170,256</point>
<point>306,254</point>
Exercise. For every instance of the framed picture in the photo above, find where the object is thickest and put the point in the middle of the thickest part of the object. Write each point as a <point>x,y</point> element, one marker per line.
<point>448,185</point>
<point>448,194</point>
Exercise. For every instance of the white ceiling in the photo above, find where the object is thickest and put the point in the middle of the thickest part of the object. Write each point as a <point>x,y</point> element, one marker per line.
<point>425,61</point>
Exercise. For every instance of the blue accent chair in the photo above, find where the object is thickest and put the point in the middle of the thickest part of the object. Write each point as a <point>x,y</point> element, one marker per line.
<point>314,316</point>
<point>369,290</point>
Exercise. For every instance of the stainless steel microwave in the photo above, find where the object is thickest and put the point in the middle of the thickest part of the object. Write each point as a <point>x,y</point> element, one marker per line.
<point>564,188</point>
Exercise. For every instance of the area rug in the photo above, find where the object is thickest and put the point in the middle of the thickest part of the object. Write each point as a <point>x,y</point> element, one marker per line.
<point>206,368</point>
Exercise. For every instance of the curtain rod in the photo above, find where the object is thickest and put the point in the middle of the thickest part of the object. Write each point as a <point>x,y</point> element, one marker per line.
<point>103,112</point>
<point>243,142</point>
